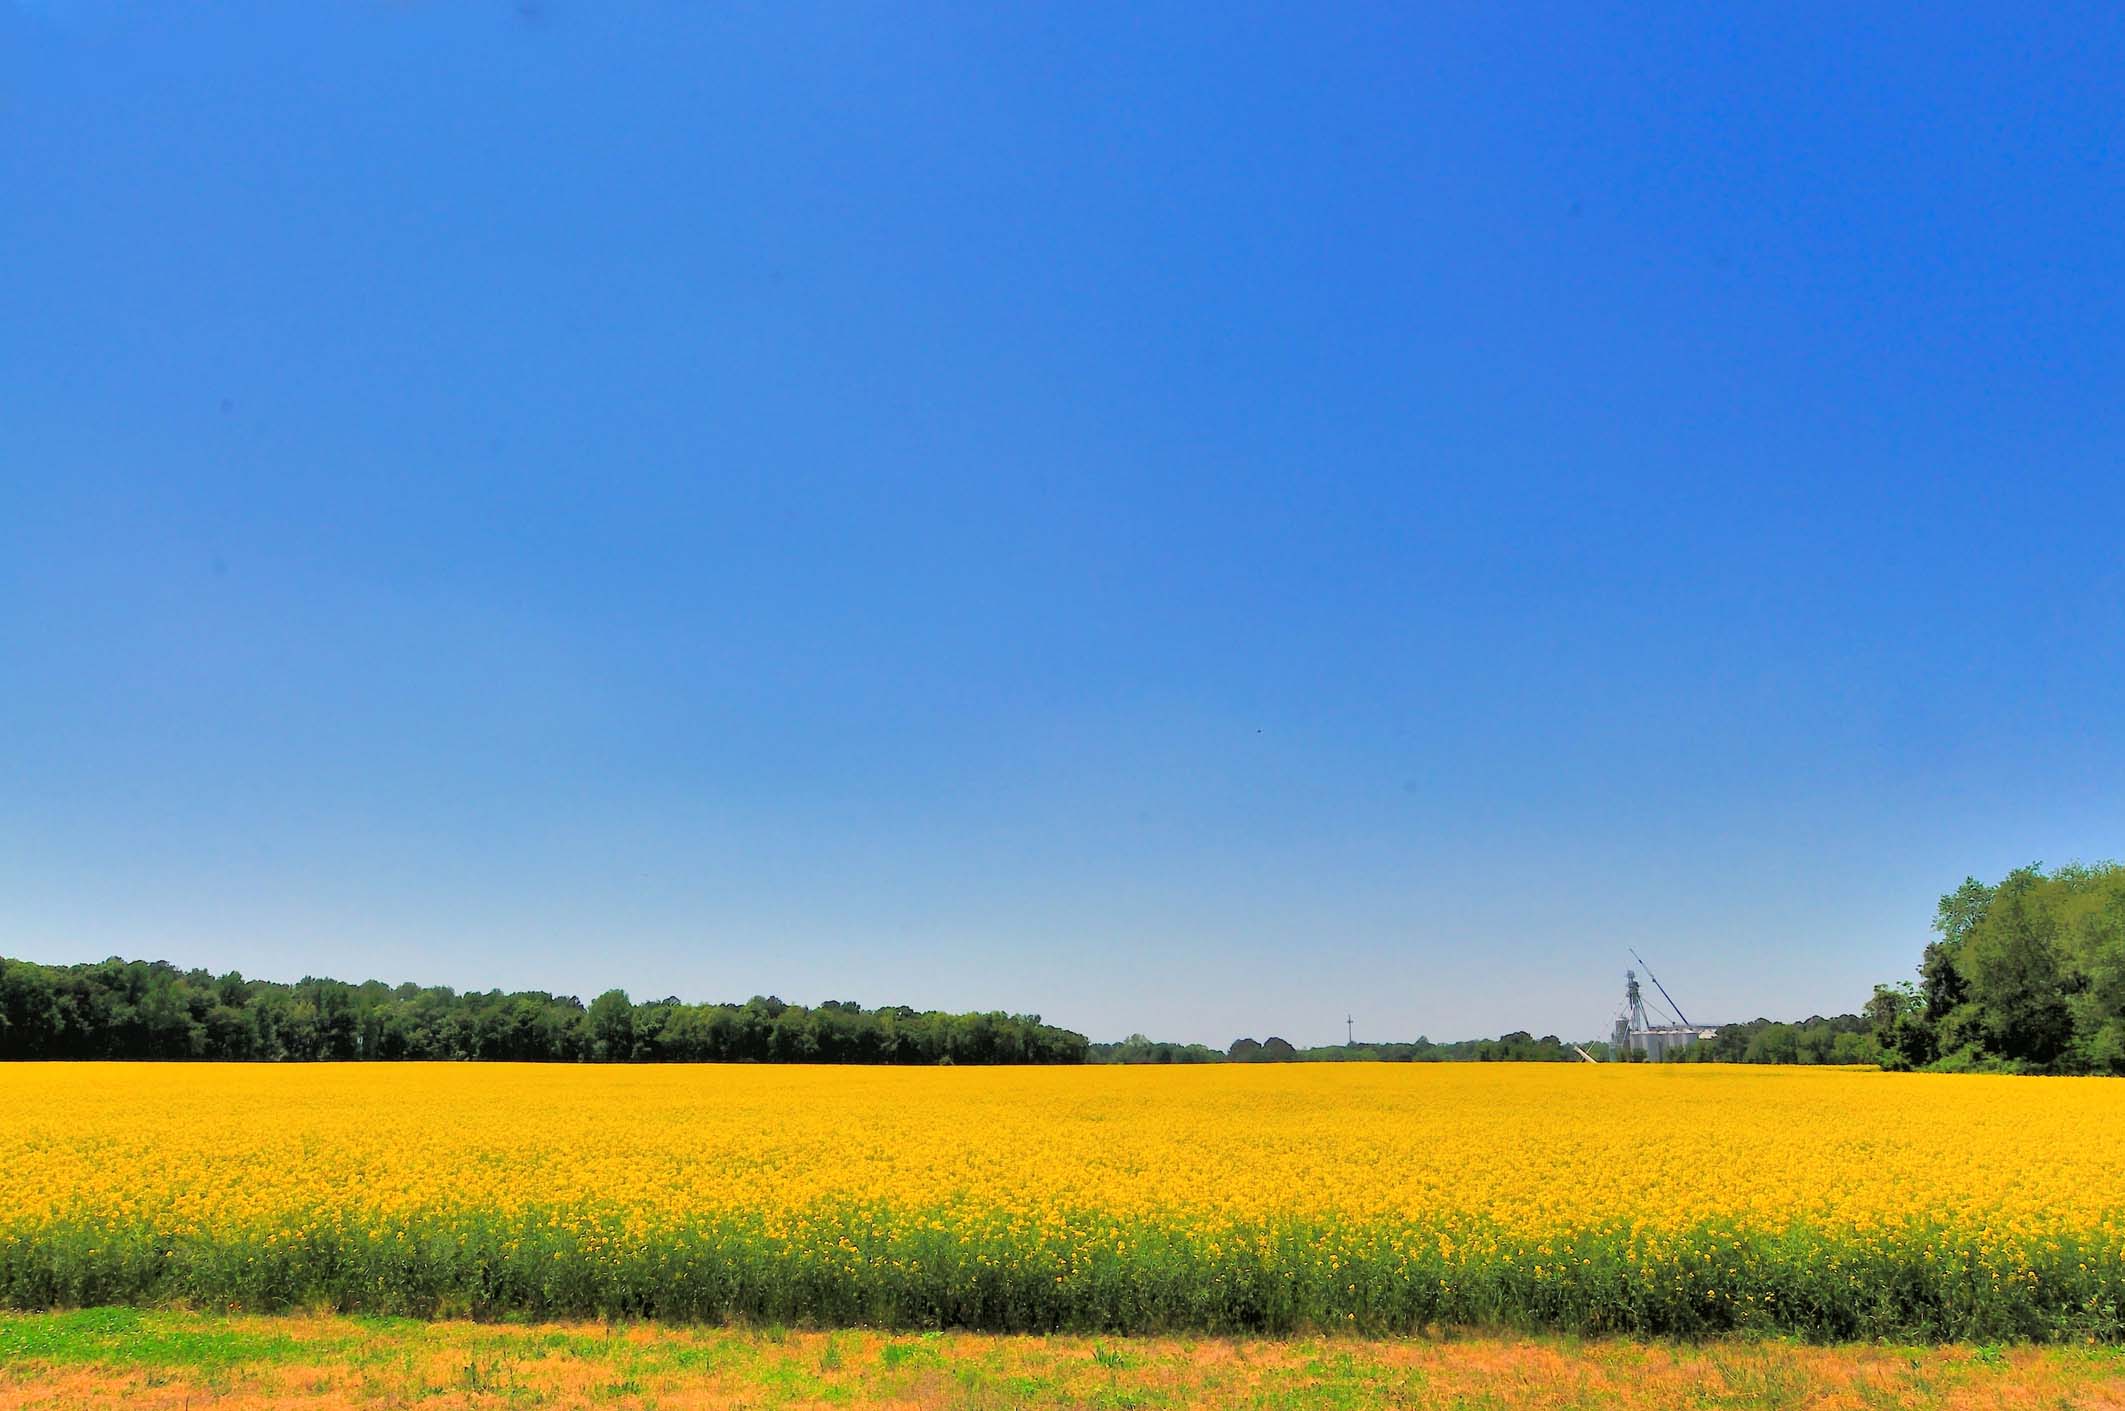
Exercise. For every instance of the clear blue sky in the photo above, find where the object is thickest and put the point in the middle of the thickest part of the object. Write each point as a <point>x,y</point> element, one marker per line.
<point>1193,519</point>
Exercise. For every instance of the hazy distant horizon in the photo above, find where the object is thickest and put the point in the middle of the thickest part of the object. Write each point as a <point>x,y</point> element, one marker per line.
<point>1262,1031</point>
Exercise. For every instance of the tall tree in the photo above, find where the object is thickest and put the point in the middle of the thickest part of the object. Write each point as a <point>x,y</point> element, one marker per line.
<point>612,1027</point>
<point>2010,960</point>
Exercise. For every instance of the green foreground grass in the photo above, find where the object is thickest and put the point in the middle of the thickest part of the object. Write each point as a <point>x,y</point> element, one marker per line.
<point>146,1360</point>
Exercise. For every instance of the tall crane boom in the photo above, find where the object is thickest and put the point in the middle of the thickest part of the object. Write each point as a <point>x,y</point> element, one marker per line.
<point>1660,987</point>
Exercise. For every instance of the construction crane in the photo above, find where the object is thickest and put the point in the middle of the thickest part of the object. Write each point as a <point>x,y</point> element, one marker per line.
<point>1679,1015</point>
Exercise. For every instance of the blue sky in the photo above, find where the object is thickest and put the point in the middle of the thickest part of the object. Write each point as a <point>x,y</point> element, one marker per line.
<point>1176,522</point>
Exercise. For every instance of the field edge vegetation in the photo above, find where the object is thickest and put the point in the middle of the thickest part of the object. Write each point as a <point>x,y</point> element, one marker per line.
<point>950,1268</point>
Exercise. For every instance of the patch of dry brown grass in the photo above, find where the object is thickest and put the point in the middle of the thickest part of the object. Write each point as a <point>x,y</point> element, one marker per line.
<point>340,1365</point>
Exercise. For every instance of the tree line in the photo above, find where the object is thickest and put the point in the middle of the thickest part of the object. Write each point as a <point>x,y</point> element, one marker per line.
<point>2026,975</point>
<point>133,1009</point>
<point>1840,1039</point>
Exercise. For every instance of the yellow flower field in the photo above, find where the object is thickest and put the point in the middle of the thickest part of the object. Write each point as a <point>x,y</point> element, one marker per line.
<point>1377,1197</point>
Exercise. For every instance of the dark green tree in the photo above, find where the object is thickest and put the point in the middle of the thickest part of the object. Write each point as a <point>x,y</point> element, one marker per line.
<point>2010,961</point>
<point>1898,1016</point>
<point>612,1028</point>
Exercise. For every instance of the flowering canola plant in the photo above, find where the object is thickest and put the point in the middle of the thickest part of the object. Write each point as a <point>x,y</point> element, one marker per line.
<point>1373,1197</point>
